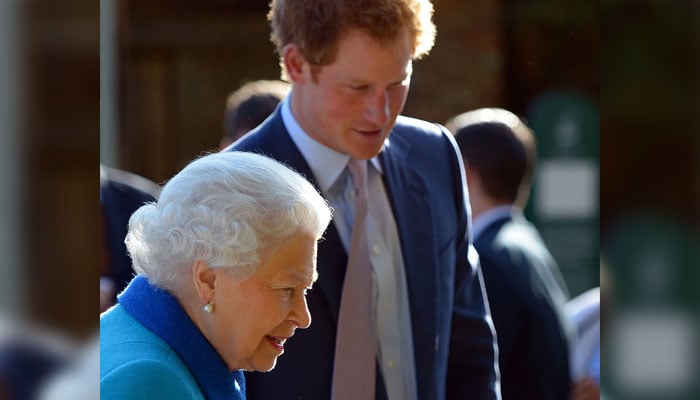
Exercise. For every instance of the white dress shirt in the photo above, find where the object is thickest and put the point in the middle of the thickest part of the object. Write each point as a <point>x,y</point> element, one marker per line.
<point>390,294</point>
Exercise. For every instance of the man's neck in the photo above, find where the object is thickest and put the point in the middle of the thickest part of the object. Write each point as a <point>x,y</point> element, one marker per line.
<point>482,202</point>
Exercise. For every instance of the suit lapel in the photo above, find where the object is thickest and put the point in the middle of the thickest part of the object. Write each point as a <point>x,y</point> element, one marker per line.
<point>409,198</point>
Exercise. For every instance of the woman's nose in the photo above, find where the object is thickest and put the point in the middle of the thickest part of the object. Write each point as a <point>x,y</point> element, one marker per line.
<point>300,313</point>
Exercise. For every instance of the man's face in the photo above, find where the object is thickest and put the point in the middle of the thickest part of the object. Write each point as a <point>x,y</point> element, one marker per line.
<point>351,104</point>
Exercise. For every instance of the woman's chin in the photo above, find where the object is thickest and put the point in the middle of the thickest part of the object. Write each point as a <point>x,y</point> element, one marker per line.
<point>260,365</point>
<point>268,366</point>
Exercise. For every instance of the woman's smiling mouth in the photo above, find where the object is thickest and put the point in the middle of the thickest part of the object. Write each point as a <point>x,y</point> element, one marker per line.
<point>277,341</point>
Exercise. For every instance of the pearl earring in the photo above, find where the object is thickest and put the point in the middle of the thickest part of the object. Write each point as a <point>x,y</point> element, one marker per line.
<point>209,308</point>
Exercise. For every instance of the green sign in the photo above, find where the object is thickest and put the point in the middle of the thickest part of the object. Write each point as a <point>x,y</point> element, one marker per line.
<point>564,202</point>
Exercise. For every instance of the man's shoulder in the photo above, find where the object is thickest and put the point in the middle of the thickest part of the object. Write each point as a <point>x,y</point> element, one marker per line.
<point>519,233</point>
<point>424,139</point>
<point>264,135</point>
<point>509,241</point>
<point>128,184</point>
<point>412,126</point>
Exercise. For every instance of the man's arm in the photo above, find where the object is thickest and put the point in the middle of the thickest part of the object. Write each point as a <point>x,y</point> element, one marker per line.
<point>472,367</point>
<point>473,358</point>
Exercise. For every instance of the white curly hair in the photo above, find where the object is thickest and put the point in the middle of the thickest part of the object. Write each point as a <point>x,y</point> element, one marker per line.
<point>224,209</point>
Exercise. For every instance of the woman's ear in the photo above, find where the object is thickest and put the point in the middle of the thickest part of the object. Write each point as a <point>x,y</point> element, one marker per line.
<point>204,281</point>
<point>294,63</point>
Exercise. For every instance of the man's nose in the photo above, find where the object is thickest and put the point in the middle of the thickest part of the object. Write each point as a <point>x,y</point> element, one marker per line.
<point>377,110</point>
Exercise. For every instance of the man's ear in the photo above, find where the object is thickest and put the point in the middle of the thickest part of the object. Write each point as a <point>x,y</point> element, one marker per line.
<point>294,63</point>
<point>204,281</point>
<point>470,175</point>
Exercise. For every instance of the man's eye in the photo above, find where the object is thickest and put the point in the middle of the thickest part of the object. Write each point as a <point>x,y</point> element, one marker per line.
<point>398,86</point>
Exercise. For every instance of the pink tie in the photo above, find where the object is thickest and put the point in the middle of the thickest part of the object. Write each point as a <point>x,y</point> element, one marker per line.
<point>355,347</point>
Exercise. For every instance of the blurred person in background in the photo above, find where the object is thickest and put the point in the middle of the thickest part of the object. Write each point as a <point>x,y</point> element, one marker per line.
<point>584,312</point>
<point>78,380</point>
<point>418,326</point>
<point>526,291</point>
<point>224,261</point>
<point>29,357</point>
<point>121,193</point>
<point>249,105</point>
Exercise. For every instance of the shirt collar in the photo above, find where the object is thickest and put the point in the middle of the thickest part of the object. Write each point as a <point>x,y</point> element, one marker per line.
<point>480,223</point>
<point>161,313</point>
<point>326,164</point>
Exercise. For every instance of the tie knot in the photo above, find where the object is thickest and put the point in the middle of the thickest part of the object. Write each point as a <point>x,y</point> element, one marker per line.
<point>358,170</point>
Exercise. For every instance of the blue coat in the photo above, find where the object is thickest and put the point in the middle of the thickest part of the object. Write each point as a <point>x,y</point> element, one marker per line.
<point>453,339</point>
<point>527,297</point>
<point>136,364</point>
<point>150,349</point>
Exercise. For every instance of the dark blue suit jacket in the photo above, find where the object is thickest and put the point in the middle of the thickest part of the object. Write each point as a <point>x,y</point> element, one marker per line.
<point>121,193</point>
<point>526,295</point>
<point>453,340</point>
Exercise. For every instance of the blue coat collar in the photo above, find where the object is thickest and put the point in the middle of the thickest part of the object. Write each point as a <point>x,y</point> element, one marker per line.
<point>161,313</point>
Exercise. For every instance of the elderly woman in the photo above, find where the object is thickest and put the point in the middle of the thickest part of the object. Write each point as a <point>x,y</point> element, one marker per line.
<point>224,260</point>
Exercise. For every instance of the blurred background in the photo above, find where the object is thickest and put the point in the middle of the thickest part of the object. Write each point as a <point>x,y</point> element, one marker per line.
<point>141,86</point>
<point>168,66</point>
